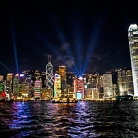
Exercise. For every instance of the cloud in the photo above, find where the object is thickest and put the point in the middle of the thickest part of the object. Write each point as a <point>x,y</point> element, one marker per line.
<point>59,58</point>
<point>70,63</point>
<point>64,47</point>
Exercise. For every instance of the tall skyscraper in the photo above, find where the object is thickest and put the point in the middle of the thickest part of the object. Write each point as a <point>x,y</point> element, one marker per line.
<point>57,86</point>
<point>133,47</point>
<point>8,85</point>
<point>37,88</point>
<point>62,72</point>
<point>125,83</point>
<point>16,85</point>
<point>49,74</point>
<point>79,87</point>
<point>107,85</point>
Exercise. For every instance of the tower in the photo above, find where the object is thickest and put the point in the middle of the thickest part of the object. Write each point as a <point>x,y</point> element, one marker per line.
<point>49,74</point>
<point>79,87</point>
<point>8,85</point>
<point>57,86</point>
<point>62,73</point>
<point>37,88</point>
<point>107,85</point>
<point>133,47</point>
<point>16,85</point>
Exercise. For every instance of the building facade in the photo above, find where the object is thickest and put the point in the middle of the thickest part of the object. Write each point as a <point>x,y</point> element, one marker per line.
<point>133,47</point>
<point>62,72</point>
<point>57,86</point>
<point>37,88</point>
<point>25,89</point>
<point>107,85</point>
<point>49,75</point>
<point>79,87</point>
<point>16,85</point>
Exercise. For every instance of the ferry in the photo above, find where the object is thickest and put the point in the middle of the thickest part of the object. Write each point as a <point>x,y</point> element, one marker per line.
<point>124,98</point>
<point>64,100</point>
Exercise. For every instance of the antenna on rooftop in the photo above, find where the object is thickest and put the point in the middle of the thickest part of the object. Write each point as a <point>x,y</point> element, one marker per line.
<point>49,58</point>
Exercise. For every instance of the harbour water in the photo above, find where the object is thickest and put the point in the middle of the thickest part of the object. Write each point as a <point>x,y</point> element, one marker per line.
<point>85,119</point>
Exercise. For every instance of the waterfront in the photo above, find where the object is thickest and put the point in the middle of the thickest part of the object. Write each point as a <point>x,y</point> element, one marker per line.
<point>70,120</point>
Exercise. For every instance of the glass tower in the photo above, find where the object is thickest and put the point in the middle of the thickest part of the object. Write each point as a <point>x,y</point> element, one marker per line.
<point>133,47</point>
<point>62,73</point>
<point>107,85</point>
<point>49,74</point>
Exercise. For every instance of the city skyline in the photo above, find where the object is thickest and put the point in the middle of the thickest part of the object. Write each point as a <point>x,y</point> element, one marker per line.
<point>86,37</point>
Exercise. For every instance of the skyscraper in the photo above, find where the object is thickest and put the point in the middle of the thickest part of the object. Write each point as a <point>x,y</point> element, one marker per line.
<point>62,72</point>
<point>37,88</point>
<point>8,85</point>
<point>57,86</point>
<point>16,85</point>
<point>107,85</point>
<point>133,47</point>
<point>79,87</point>
<point>49,74</point>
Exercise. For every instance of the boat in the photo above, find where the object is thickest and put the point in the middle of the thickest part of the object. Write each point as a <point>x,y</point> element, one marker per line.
<point>64,100</point>
<point>124,98</point>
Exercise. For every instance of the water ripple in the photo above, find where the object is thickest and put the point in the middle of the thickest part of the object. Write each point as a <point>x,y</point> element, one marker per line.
<point>72,120</point>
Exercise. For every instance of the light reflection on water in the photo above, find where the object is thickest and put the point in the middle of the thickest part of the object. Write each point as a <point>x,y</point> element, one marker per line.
<point>69,120</point>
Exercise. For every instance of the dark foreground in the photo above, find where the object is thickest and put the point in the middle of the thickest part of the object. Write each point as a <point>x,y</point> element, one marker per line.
<point>69,120</point>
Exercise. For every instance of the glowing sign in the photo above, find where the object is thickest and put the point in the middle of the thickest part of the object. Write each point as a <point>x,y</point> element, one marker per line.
<point>79,95</point>
<point>80,78</point>
<point>85,86</point>
<point>21,75</point>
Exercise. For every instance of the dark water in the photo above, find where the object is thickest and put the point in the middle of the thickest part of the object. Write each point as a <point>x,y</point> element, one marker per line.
<point>74,120</point>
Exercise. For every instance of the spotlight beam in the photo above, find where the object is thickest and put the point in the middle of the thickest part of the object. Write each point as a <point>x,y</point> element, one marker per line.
<point>77,39</point>
<point>13,39</point>
<point>57,28</point>
<point>5,67</point>
<point>69,53</point>
<point>94,39</point>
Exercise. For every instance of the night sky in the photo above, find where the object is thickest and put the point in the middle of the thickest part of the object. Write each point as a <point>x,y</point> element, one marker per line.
<point>87,37</point>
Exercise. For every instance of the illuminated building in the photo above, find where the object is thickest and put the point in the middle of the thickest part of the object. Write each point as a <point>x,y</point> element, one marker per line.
<point>16,85</point>
<point>22,78</point>
<point>133,47</point>
<point>8,85</point>
<point>43,76</point>
<point>69,78</point>
<point>120,82</point>
<point>37,88</point>
<point>1,78</point>
<point>70,84</point>
<point>107,85</point>
<point>91,93</point>
<point>57,86</point>
<point>47,93</point>
<point>129,82</point>
<point>25,89</point>
<point>92,85</point>
<point>62,72</point>
<point>37,75</point>
<point>9,76</point>
<point>49,74</point>
<point>79,87</point>
<point>32,75</point>
<point>28,79</point>
<point>1,84</point>
<point>125,83</point>
<point>8,88</point>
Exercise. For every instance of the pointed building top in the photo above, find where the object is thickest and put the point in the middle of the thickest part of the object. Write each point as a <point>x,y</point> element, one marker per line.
<point>49,58</point>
